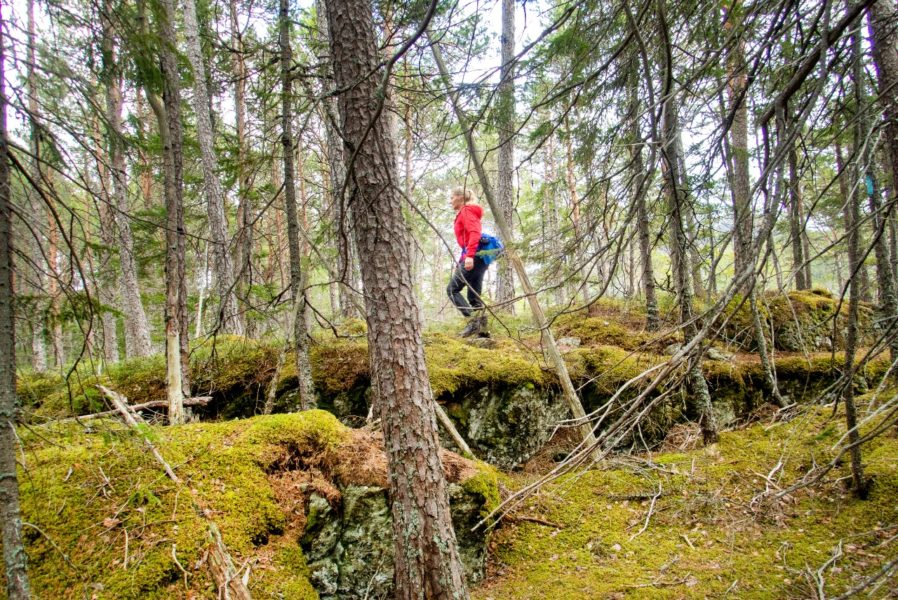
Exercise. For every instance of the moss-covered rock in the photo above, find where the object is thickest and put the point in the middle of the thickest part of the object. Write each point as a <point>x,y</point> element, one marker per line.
<point>350,545</point>
<point>696,525</point>
<point>504,425</point>
<point>109,524</point>
<point>799,321</point>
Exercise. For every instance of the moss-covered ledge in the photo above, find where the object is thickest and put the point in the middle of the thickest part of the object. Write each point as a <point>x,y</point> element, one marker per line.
<point>110,522</point>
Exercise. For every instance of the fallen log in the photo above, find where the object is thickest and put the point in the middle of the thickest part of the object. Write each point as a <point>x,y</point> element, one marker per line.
<point>153,404</point>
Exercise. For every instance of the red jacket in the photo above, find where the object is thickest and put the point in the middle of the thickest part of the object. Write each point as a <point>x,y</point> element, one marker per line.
<point>467,229</point>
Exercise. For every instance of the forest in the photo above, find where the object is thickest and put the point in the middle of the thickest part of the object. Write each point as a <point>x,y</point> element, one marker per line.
<point>231,367</point>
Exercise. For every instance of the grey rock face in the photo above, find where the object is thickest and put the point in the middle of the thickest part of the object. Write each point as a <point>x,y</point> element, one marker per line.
<point>505,426</point>
<point>349,547</point>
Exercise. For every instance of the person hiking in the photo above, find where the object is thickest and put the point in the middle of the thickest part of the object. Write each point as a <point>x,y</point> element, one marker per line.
<point>470,269</point>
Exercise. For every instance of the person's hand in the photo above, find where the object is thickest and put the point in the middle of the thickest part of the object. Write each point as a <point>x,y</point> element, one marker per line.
<point>469,263</point>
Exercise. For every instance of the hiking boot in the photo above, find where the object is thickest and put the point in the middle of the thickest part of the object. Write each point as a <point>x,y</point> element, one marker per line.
<point>483,327</point>
<point>472,328</point>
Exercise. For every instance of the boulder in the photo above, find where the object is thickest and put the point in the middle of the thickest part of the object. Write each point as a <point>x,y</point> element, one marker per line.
<point>505,425</point>
<point>349,545</point>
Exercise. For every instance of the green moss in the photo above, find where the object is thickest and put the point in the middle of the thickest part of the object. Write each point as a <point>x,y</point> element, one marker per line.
<point>702,535</point>
<point>805,320</point>
<point>84,490</point>
<point>486,485</point>
<point>453,364</point>
<point>337,365</point>
<point>33,387</point>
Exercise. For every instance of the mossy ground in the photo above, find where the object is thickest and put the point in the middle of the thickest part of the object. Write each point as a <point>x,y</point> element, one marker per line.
<point>105,522</point>
<point>82,490</point>
<point>706,537</point>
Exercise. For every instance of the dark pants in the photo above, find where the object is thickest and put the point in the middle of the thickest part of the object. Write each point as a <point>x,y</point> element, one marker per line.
<point>474,280</point>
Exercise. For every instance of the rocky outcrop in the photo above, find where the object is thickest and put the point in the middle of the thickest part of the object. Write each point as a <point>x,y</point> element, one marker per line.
<point>799,321</point>
<point>505,425</point>
<point>349,543</point>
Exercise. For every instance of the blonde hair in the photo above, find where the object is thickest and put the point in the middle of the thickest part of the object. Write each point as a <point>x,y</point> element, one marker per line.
<point>466,193</point>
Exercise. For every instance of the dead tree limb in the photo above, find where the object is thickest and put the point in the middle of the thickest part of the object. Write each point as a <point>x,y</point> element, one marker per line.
<point>227,579</point>
<point>446,422</point>
<point>134,421</point>
<point>153,404</point>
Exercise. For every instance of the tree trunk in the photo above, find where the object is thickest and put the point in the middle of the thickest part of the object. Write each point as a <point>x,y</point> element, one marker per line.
<point>550,214</point>
<point>145,167</point>
<point>346,263</point>
<point>796,223</point>
<point>243,268</point>
<point>881,21</point>
<point>35,250</point>
<point>505,107</point>
<point>852,217</point>
<point>53,287</point>
<point>579,236</point>
<point>137,329</point>
<point>427,564</point>
<point>696,386</point>
<point>297,274</point>
<point>105,284</point>
<point>14,557</point>
<point>169,118</point>
<point>882,17</point>
<point>50,280</point>
<point>741,187</point>
<point>855,282</point>
<point>229,315</point>
<point>640,186</point>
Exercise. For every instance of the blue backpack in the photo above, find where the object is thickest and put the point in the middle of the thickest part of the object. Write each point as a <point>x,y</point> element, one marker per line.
<point>490,248</point>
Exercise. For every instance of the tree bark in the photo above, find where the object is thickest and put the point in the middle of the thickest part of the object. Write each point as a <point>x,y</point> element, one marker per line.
<point>737,84</point>
<point>796,223</point>
<point>35,250</point>
<point>346,255</point>
<point>882,20</point>
<point>852,218</point>
<point>50,280</point>
<point>137,329</point>
<point>427,564</point>
<point>640,186</point>
<point>696,386</point>
<point>105,283</point>
<point>552,235</point>
<point>297,274</point>
<point>580,237</point>
<point>506,128</point>
<point>14,557</point>
<point>229,315</point>
<point>169,117</point>
<point>243,268</point>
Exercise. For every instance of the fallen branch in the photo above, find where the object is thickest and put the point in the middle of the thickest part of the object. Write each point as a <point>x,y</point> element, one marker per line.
<point>648,516</point>
<point>529,519</point>
<point>446,422</point>
<point>121,404</point>
<point>153,404</point>
<point>883,572</point>
<point>226,576</point>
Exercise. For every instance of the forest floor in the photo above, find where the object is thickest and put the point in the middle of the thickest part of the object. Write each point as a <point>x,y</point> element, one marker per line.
<point>692,522</point>
<point>681,522</point>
